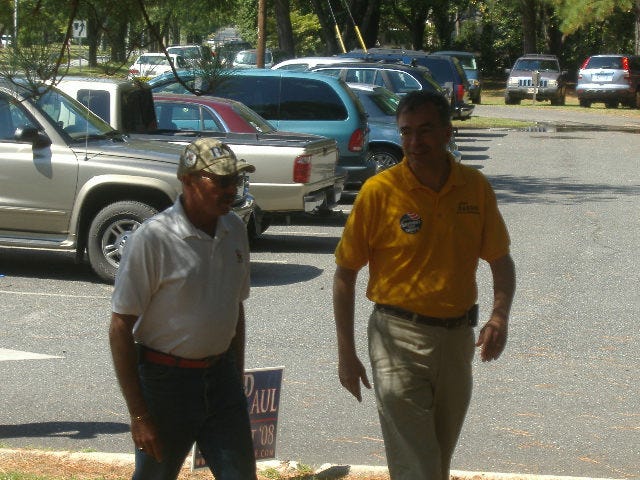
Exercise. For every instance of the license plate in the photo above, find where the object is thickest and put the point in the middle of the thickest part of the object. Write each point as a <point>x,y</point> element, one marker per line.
<point>602,77</point>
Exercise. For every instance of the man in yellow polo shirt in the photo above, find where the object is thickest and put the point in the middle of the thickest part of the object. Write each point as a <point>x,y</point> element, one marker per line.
<point>422,226</point>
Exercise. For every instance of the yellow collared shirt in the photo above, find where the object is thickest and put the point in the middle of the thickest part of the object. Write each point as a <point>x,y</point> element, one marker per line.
<point>423,247</point>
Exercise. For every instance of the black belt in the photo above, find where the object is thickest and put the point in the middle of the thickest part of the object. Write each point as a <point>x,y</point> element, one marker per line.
<point>469,319</point>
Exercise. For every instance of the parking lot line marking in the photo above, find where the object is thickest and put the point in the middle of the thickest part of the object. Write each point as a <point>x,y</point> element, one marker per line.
<point>6,354</point>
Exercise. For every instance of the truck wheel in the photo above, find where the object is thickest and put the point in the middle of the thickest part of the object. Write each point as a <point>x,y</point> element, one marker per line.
<point>509,100</point>
<point>108,233</point>
<point>611,104</point>
<point>384,157</point>
<point>584,103</point>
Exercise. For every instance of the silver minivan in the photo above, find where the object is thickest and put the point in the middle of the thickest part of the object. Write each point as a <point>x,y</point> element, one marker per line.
<point>612,79</point>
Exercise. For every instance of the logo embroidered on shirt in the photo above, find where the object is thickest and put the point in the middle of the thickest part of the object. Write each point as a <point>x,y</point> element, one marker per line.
<point>464,207</point>
<point>411,222</point>
<point>239,257</point>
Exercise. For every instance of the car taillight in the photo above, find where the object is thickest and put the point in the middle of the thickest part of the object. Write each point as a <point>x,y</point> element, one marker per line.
<point>625,67</point>
<point>356,142</point>
<point>133,71</point>
<point>302,169</point>
<point>460,93</point>
<point>584,64</point>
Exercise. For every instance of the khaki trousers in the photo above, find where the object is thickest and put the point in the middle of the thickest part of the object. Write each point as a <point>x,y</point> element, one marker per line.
<point>422,379</point>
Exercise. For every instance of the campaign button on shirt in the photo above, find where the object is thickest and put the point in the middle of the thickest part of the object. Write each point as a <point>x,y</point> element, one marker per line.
<point>411,222</point>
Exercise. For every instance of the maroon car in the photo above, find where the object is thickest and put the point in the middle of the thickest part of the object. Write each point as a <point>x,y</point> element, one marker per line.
<point>204,113</point>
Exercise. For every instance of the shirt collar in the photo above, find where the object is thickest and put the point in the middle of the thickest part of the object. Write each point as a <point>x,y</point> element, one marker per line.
<point>455,175</point>
<point>180,224</point>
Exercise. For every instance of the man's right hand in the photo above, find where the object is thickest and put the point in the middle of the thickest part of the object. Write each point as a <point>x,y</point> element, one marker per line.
<point>145,437</point>
<point>351,371</point>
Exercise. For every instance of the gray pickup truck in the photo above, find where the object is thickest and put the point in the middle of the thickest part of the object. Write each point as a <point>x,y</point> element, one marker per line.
<point>69,181</point>
<point>295,172</point>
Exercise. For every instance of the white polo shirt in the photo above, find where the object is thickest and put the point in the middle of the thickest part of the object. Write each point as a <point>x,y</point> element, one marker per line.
<point>184,285</point>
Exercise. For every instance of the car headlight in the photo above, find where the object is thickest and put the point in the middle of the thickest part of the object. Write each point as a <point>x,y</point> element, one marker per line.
<point>512,82</point>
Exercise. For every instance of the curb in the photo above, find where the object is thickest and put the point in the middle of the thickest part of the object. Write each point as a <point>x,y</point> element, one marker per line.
<point>326,471</point>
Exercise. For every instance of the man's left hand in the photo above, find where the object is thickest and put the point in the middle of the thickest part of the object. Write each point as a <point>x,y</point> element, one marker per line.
<point>492,339</point>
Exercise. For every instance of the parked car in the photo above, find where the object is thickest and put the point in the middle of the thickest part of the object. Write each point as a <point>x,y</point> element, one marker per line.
<point>446,70</point>
<point>303,102</point>
<point>149,65</point>
<point>249,59</point>
<point>72,183</point>
<point>308,63</point>
<point>396,77</point>
<point>5,40</point>
<point>193,54</point>
<point>295,172</point>
<point>611,78</point>
<point>552,82</point>
<point>227,51</point>
<point>469,63</point>
<point>385,144</point>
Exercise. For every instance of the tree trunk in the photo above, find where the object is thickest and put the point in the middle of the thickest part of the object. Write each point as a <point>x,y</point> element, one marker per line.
<point>637,42</point>
<point>529,26</point>
<point>285,31</point>
<point>327,27</point>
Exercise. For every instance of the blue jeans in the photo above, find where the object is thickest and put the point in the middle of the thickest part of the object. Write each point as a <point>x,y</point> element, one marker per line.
<point>207,406</point>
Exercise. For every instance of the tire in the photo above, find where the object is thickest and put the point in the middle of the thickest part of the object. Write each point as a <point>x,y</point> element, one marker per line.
<point>611,104</point>
<point>384,157</point>
<point>108,233</point>
<point>584,103</point>
<point>509,100</point>
<point>636,103</point>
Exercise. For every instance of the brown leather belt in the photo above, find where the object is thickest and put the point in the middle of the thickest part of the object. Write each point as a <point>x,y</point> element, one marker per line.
<point>469,319</point>
<point>160,358</point>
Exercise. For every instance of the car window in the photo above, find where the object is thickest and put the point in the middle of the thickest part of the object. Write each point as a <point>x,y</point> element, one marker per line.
<point>69,118</point>
<point>12,117</point>
<point>605,62</point>
<point>334,72</point>
<point>260,94</point>
<point>252,118</point>
<point>468,63</point>
<point>97,101</point>
<point>308,99</point>
<point>440,70</point>
<point>402,82</point>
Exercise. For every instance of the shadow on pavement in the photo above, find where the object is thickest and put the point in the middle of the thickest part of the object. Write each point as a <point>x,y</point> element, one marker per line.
<point>74,430</point>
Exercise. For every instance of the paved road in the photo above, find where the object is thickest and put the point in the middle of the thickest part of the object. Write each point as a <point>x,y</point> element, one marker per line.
<point>563,400</point>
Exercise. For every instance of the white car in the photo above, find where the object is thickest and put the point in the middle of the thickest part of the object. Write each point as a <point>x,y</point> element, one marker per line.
<point>249,59</point>
<point>149,65</point>
<point>307,63</point>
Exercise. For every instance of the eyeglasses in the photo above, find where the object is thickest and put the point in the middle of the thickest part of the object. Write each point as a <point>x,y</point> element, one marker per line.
<point>420,132</point>
<point>224,181</point>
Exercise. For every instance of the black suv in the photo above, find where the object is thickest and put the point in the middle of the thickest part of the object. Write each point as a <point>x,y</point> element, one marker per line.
<point>446,70</point>
<point>536,74</point>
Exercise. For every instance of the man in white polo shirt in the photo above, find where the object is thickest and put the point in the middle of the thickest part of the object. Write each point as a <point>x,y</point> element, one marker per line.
<point>177,331</point>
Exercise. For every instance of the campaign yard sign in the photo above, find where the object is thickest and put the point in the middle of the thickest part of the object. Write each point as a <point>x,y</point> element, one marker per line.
<point>262,386</point>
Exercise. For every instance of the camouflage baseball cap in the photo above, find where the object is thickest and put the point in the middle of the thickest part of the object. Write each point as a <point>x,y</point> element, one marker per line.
<point>213,156</point>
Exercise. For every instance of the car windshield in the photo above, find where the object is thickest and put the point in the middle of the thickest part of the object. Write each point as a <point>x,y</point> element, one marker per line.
<point>72,118</point>
<point>533,64</point>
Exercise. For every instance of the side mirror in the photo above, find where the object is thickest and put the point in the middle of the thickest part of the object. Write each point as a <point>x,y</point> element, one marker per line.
<point>33,136</point>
